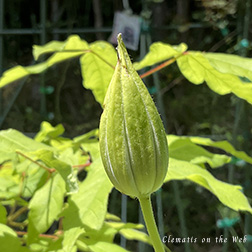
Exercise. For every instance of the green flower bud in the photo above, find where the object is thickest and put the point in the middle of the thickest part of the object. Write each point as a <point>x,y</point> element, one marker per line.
<point>133,142</point>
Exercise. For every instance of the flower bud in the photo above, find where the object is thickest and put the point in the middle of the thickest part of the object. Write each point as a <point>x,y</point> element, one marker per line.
<point>133,142</point>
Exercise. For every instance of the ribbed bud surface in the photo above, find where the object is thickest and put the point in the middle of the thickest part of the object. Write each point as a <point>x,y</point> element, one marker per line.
<point>133,142</point>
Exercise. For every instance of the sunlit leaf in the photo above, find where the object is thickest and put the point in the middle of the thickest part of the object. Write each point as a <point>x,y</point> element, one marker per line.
<point>73,43</point>
<point>52,136</point>
<point>74,47</point>
<point>70,237</point>
<point>12,140</point>
<point>93,134</point>
<point>229,195</point>
<point>102,246</point>
<point>197,69</point>
<point>183,148</point>
<point>232,64</point>
<point>130,231</point>
<point>97,68</point>
<point>224,145</point>
<point>160,52</point>
<point>47,203</point>
<point>9,183</point>
<point>133,234</point>
<point>88,206</point>
<point>33,177</point>
<point>92,147</point>
<point>3,214</point>
<point>64,169</point>
<point>9,240</point>
<point>48,132</point>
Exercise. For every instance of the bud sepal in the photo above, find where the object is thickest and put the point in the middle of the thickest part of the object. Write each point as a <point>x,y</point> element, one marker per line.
<point>133,142</point>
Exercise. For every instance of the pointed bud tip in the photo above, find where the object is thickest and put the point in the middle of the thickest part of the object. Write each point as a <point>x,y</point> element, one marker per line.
<point>120,43</point>
<point>119,38</point>
<point>121,49</point>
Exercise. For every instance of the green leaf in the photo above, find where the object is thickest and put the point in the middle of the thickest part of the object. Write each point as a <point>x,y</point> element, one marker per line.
<point>130,232</point>
<point>73,43</point>
<point>64,169</point>
<point>6,230</point>
<point>74,47</point>
<point>73,158</point>
<point>9,240</point>
<point>197,69</point>
<point>48,132</point>
<point>93,148</point>
<point>3,214</point>
<point>51,47</point>
<point>231,64</point>
<point>88,206</point>
<point>224,145</point>
<point>133,234</point>
<point>100,240</point>
<point>35,177</point>
<point>70,237</point>
<point>46,204</point>
<point>106,233</point>
<point>9,183</point>
<point>229,195</point>
<point>105,247</point>
<point>93,134</point>
<point>160,52</point>
<point>183,148</point>
<point>112,217</point>
<point>48,245</point>
<point>12,140</point>
<point>14,74</point>
<point>121,225</point>
<point>97,68</point>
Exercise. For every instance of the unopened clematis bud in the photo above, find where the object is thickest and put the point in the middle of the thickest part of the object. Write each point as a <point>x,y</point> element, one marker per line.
<point>133,142</point>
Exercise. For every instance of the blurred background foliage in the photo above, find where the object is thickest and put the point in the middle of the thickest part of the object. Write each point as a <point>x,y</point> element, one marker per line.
<point>212,26</point>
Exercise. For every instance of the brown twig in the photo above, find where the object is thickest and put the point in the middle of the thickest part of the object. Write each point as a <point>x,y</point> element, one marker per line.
<point>159,67</point>
<point>80,166</point>
<point>50,170</point>
<point>54,237</point>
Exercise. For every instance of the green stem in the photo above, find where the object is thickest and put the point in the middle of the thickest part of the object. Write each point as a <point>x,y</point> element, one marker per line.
<point>145,203</point>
